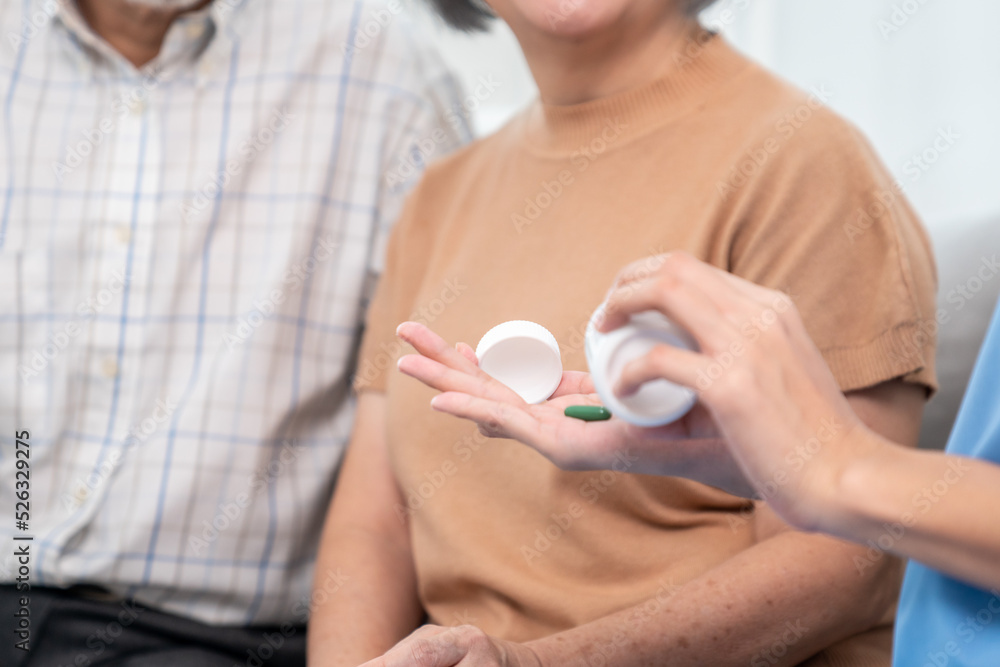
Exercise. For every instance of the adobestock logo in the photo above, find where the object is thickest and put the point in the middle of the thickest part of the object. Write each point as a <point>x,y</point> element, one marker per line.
<point>38,360</point>
<point>791,635</point>
<point>590,491</point>
<point>549,191</point>
<point>365,34</point>
<point>131,102</point>
<point>84,488</point>
<point>30,25</point>
<point>750,332</point>
<point>966,632</point>
<point>902,13</point>
<point>427,314</point>
<point>205,196</point>
<point>922,503</point>
<point>420,153</point>
<point>753,160</point>
<point>229,513</point>
<point>881,203</point>
<point>292,280</point>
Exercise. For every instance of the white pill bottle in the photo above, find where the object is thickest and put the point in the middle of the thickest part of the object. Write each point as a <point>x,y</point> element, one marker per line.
<point>658,402</point>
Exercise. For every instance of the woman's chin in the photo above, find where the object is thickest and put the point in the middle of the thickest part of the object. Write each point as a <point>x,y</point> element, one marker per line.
<point>565,18</point>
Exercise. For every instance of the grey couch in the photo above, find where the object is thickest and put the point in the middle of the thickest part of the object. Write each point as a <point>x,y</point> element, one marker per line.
<point>965,254</point>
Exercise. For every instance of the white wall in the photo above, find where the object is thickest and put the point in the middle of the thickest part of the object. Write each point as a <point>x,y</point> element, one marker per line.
<point>939,70</point>
<point>495,54</point>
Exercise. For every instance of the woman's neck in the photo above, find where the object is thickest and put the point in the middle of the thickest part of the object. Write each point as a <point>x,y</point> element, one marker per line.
<point>575,70</point>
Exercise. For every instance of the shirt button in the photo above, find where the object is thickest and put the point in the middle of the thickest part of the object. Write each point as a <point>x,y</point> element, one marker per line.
<point>124,234</point>
<point>137,106</point>
<point>194,29</point>
<point>82,492</point>
<point>110,368</point>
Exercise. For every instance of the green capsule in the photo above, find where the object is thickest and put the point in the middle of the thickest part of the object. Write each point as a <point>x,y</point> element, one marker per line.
<point>588,413</point>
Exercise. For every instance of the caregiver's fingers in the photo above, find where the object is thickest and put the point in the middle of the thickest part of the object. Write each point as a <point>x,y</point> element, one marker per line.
<point>666,362</point>
<point>765,296</point>
<point>431,345</point>
<point>736,298</point>
<point>682,302</point>
<point>640,269</point>
<point>649,267</point>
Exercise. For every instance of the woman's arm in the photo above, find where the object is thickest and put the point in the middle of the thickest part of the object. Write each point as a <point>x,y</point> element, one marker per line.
<point>368,546</point>
<point>776,603</point>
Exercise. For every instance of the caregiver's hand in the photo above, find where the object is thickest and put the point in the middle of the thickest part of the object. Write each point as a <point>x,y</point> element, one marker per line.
<point>688,448</point>
<point>463,646</point>
<point>758,372</point>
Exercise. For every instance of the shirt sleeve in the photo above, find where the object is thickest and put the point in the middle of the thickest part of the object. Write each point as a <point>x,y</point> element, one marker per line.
<point>424,123</point>
<point>408,249</point>
<point>826,224</point>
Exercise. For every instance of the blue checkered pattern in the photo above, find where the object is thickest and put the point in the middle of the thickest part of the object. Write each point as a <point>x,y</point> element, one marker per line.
<point>185,256</point>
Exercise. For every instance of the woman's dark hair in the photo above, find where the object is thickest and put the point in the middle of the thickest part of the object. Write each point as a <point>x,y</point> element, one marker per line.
<point>471,15</point>
<point>467,15</point>
<point>695,6</point>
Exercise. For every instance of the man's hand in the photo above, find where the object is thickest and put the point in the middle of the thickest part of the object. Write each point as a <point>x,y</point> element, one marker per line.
<point>463,646</point>
<point>688,448</point>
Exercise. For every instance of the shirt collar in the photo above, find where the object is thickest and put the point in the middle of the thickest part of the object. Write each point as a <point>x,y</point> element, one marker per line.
<point>189,36</point>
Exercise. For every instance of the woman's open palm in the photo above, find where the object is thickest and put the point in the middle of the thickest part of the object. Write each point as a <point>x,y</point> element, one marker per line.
<point>689,447</point>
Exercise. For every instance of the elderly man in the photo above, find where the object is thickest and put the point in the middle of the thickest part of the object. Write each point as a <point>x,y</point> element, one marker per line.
<point>193,201</point>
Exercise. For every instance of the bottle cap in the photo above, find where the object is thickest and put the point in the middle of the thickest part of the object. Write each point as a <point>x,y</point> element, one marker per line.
<point>524,356</point>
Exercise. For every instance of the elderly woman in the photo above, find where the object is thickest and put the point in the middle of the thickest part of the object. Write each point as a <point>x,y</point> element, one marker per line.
<point>651,135</point>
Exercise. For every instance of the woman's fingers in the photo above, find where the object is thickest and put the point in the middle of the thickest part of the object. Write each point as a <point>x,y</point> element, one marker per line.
<point>466,351</point>
<point>438,376</point>
<point>762,295</point>
<point>666,362</point>
<point>435,647</point>
<point>446,368</point>
<point>496,419</point>
<point>648,267</point>
<point>574,382</point>
<point>569,444</point>
<point>429,344</point>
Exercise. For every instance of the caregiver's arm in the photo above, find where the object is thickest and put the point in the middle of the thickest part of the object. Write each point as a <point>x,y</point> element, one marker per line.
<point>369,547</point>
<point>858,482</point>
<point>939,507</point>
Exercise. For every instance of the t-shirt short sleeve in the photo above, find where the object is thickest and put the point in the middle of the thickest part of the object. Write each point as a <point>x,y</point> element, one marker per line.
<point>826,223</point>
